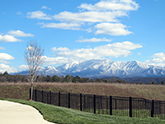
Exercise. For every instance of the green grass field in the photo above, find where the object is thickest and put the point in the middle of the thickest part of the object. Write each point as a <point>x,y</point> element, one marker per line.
<point>135,113</point>
<point>62,115</point>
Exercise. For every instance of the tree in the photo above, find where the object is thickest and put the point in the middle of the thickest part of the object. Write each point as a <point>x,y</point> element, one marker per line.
<point>76,79</point>
<point>48,78</point>
<point>68,78</point>
<point>34,59</point>
<point>162,82</point>
<point>56,78</point>
<point>5,73</point>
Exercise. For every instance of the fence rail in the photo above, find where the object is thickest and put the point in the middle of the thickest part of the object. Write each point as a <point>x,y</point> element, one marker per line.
<point>112,105</point>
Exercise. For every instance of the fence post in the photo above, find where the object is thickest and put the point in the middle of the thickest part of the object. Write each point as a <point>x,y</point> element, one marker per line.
<point>152,109</point>
<point>145,103</point>
<point>110,107</point>
<point>130,106</point>
<point>80,102</point>
<point>35,94</point>
<point>59,95</point>
<point>68,100</point>
<point>84,102</point>
<point>101,106</point>
<point>50,97</point>
<point>30,93</point>
<point>42,96</point>
<point>160,107</point>
<point>94,103</point>
<point>47,97</point>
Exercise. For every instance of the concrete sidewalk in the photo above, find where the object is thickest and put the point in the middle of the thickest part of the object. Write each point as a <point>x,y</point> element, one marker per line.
<point>15,113</point>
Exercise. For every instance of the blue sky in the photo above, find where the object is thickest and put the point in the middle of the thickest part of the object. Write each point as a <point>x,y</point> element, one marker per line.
<point>75,30</point>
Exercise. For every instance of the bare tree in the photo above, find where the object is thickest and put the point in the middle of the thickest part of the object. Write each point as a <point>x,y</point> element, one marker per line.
<point>34,59</point>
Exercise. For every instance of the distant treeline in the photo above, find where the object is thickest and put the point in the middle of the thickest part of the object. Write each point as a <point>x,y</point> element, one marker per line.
<point>5,77</point>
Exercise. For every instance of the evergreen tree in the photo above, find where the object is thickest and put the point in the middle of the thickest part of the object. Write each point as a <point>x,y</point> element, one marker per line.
<point>162,82</point>
<point>48,78</point>
<point>55,78</point>
<point>68,78</point>
<point>76,79</point>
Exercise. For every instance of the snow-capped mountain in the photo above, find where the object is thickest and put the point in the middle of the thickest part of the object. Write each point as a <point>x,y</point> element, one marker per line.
<point>49,71</point>
<point>106,68</point>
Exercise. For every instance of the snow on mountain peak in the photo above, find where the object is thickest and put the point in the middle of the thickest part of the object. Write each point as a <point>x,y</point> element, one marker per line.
<point>103,68</point>
<point>70,65</point>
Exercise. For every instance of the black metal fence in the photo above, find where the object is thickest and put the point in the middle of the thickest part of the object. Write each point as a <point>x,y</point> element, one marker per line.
<point>112,105</point>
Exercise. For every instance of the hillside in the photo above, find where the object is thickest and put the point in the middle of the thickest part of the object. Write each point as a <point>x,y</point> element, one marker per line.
<point>21,90</point>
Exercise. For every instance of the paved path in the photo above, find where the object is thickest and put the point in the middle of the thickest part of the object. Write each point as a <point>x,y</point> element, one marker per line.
<point>15,113</point>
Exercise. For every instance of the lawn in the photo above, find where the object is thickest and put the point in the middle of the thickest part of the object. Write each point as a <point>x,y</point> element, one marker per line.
<point>62,115</point>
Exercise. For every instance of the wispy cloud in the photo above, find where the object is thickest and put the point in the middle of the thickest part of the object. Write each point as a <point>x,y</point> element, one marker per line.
<point>8,38</point>
<point>45,7</point>
<point>54,60</point>
<point>19,33</point>
<point>73,26</point>
<point>114,29</point>
<point>105,5</point>
<point>19,13</point>
<point>102,15</point>
<point>101,52</point>
<point>23,67</point>
<point>157,59</point>
<point>4,67</point>
<point>2,48</point>
<point>4,57</point>
<point>93,17</point>
<point>38,15</point>
<point>95,40</point>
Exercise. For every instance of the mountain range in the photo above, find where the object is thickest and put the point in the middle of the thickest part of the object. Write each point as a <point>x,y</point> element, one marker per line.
<point>104,68</point>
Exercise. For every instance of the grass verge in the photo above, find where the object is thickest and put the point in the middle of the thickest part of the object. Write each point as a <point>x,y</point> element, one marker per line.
<point>62,115</point>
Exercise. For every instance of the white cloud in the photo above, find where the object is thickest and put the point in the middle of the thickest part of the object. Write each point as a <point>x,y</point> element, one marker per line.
<point>8,38</point>
<point>114,29</point>
<point>45,7</point>
<point>5,56</point>
<point>23,67</point>
<point>89,16</point>
<point>54,60</point>
<point>158,59</point>
<point>54,49</point>
<point>19,33</point>
<point>104,5</point>
<point>109,50</point>
<point>73,26</point>
<point>95,40</point>
<point>4,67</point>
<point>3,63</point>
<point>106,17</point>
<point>103,11</point>
<point>30,48</point>
<point>38,15</point>
<point>100,15</point>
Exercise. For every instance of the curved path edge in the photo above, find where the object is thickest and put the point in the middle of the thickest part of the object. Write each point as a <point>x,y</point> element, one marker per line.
<point>16,113</point>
